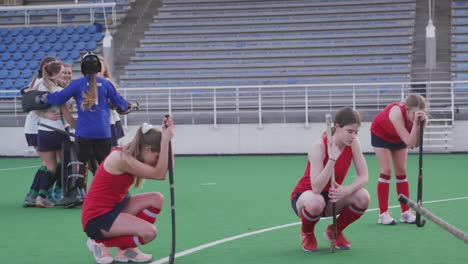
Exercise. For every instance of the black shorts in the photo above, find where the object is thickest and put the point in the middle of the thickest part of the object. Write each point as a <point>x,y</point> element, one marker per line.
<point>31,139</point>
<point>93,148</point>
<point>294,201</point>
<point>117,132</point>
<point>105,221</point>
<point>50,140</point>
<point>381,143</point>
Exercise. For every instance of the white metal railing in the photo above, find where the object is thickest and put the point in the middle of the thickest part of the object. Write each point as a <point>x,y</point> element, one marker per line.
<point>264,102</point>
<point>28,8</point>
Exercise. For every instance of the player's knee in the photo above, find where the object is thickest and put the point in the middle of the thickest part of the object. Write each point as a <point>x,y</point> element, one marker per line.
<point>316,206</point>
<point>400,171</point>
<point>386,171</point>
<point>362,198</point>
<point>157,199</point>
<point>150,233</point>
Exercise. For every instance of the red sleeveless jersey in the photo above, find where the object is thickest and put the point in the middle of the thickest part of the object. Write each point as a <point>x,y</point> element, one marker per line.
<point>341,169</point>
<point>105,192</point>
<point>382,126</point>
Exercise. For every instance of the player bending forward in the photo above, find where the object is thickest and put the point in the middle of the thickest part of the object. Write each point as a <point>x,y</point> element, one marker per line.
<point>113,218</point>
<point>313,196</point>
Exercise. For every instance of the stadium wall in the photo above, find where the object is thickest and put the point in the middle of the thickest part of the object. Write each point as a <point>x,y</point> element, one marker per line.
<point>234,139</point>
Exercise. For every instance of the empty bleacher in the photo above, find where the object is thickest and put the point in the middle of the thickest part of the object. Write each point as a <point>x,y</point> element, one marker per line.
<point>459,59</point>
<point>22,49</point>
<point>65,16</point>
<point>219,43</point>
<point>63,30</point>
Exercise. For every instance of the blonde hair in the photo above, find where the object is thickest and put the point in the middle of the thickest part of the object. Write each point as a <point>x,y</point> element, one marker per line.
<point>89,97</point>
<point>415,102</point>
<point>151,139</point>
<point>105,72</point>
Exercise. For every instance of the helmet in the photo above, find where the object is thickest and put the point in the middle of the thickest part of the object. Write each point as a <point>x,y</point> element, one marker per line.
<point>90,64</point>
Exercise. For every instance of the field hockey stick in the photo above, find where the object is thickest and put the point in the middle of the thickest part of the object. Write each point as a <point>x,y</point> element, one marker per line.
<point>332,183</point>
<point>171,184</point>
<point>420,222</point>
<point>439,221</point>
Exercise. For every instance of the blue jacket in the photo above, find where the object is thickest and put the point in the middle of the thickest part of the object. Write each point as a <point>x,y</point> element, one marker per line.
<point>92,123</point>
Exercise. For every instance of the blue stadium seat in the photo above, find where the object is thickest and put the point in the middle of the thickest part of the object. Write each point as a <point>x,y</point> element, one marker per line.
<point>36,31</point>
<point>2,47</point>
<point>3,73</point>
<point>47,31</point>
<point>86,37</point>
<point>52,37</point>
<point>12,47</point>
<point>91,29</point>
<point>58,30</point>
<point>63,54</point>
<point>15,73</point>
<point>58,46</point>
<point>34,47</point>
<point>22,65</point>
<point>3,32</point>
<point>75,54</point>
<point>75,37</point>
<point>28,55</point>
<point>25,31</point>
<point>64,38</point>
<point>91,45</point>
<point>25,47</point>
<point>41,39</point>
<point>14,32</point>
<point>80,45</point>
<point>7,40</point>
<point>34,65</point>
<point>68,46</point>
<point>20,82</point>
<point>46,46</point>
<point>69,29</point>
<point>52,53</point>
<point>80,29</point>
<point>30,39</point>
<point>9,65</point>
<point>17,55</point>
<point>7,83</point>
<point>39,55</point>
<point>27,74</point>
<point>97,37</point>
<point>18,39</point>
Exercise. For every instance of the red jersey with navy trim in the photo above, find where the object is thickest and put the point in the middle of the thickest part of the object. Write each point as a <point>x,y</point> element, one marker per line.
<point>341,169</point>
<point>382,126</point>
<point>105,192</point>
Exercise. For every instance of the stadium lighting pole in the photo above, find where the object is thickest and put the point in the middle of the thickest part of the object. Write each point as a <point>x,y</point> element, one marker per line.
<point>431,49</point>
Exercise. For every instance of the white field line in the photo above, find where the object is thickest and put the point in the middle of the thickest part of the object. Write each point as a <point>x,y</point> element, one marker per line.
<point>224,240</point>
<point>20,168</point>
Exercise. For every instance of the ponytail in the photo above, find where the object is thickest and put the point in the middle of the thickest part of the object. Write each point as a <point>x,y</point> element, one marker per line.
<point>90,97</point>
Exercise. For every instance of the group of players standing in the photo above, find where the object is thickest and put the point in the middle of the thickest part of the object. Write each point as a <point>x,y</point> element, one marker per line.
<point>110,216</point>
<point>113,218</point>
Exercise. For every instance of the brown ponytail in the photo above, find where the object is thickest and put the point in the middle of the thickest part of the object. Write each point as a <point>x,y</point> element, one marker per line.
<point>152,139</point>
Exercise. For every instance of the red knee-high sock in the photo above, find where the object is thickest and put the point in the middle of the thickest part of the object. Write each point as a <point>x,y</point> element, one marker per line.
<point>347,216</point>
<point>402,187</point>
<point>308,221</point>
<point>122,242</point>
<point>383,189</point>
<point>149,214</point>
